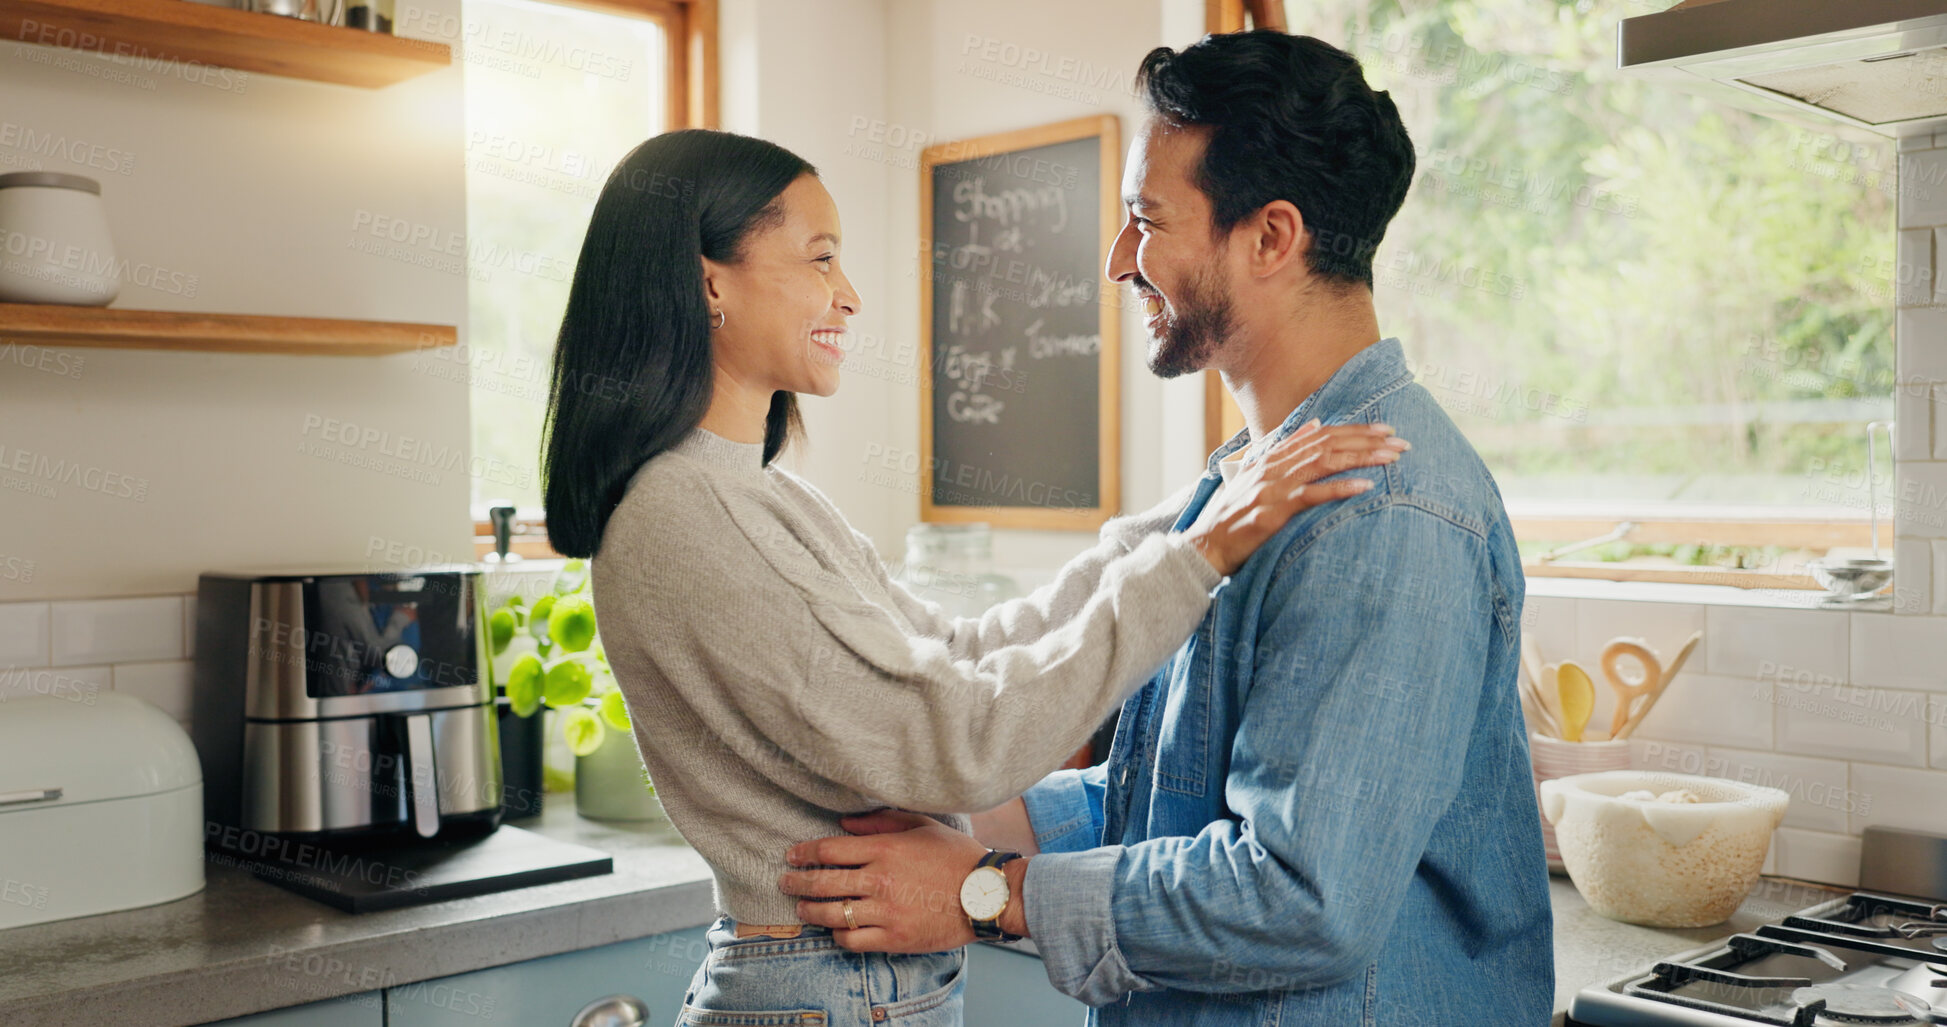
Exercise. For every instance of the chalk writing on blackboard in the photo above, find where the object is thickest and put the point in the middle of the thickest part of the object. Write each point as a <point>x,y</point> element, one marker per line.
<point>1019,374</point>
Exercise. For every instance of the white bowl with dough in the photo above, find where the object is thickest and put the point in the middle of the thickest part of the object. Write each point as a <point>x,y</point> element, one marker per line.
<point>1663,850</point>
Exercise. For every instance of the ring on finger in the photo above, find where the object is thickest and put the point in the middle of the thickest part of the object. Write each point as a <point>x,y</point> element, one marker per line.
<point>850,923</point>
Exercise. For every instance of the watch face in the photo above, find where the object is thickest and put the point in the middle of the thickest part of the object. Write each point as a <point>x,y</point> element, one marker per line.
<point>984,893</point>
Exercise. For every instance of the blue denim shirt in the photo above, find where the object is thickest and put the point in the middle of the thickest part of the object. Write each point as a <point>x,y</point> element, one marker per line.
<point>1321,810</point>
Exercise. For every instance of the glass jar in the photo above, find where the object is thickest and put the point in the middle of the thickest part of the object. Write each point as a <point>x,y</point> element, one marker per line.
<point>953,565</point>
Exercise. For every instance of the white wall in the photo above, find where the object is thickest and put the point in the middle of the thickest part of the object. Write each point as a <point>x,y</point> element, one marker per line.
<point>860,87</point>
<point>965,69</point>
<point>244,199</point>
<point>799,75</point>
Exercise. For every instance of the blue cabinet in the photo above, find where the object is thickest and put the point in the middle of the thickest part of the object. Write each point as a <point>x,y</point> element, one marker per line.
<point>548,992</point>
<point>1004,989</point>
<point>1010,989</point>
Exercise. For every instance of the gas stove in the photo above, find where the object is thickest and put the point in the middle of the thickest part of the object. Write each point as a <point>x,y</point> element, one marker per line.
<point>1872,957</point>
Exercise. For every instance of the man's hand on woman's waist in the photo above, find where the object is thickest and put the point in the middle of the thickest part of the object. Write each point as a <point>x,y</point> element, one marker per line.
<point>901,874</point>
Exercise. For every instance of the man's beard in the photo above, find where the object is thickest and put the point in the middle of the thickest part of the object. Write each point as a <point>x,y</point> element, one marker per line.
<point>1204,321</point>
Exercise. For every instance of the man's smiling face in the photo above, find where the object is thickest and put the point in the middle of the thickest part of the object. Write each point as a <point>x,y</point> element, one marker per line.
<point>1167,252</point>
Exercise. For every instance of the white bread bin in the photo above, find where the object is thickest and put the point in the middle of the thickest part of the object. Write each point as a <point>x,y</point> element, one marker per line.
<point>1662,863</point>
<point>101,808</point>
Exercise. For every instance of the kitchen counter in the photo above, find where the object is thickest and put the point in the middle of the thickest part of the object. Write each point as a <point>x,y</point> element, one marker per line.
<point>230,949</point>
<point>243,946</point>
<point>1591,948</point>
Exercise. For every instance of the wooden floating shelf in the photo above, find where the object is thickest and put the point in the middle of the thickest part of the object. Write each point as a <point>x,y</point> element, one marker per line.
<point>177,30</point>
<point>53,325</point>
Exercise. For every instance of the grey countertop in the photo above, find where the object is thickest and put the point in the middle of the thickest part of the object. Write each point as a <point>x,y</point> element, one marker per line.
<point>224,951</point>
<point>1591,948</point>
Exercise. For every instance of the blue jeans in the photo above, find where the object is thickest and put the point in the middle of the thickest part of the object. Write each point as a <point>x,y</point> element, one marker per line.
<point>808,981</point>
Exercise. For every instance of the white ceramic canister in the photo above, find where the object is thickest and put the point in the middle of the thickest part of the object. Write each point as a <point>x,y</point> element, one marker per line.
<point>54,241</point>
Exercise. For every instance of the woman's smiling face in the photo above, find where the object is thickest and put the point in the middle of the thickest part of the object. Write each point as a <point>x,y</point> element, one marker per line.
<point>785,301</point>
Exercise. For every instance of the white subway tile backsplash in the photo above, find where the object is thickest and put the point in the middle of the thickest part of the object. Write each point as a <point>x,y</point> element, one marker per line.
<point>117,630</point>
<point>77,684</point>
<point>164,684</point>
<point>1939,576</point>
<point>1899,797</point>
<point>1549,622</point>
<point>1708,709</point>
<point>1816,856</point>
<point>1664,626</point>
<point>1899,652</point>
<point>1842,722</point>
<point>1929,413</point>
<point>189,624</point>
<point>1817,787</point>
<point>1756,642</point>
<point>23,634</point>
<point>1913,420</point>
<point>1937,721</point>
<point>1913,269</point>
<point>1939,281</point>
<point>1920,353</point>
<point>1916,142</point>
<point>1913,591</point>
<point>1924,204</point>
<point>1920,505</point>
<point>1668,757</point>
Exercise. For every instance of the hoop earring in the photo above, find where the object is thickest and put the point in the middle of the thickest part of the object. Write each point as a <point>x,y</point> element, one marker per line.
<point>721,318</point>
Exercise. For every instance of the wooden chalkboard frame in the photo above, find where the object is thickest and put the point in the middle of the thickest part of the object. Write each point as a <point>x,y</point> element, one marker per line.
<point>1107,129</point>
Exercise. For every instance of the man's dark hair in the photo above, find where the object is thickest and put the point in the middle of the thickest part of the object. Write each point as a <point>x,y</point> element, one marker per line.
<point>1290,118</point>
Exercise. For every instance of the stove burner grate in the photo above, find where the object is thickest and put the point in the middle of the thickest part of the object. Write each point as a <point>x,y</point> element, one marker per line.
<point>1864,1004</point>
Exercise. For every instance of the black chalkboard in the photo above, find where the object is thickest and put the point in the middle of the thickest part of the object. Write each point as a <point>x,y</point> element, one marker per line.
<point>1020,402</point>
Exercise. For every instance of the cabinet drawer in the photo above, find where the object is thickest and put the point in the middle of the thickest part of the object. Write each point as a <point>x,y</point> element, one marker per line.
<point>548,992</point>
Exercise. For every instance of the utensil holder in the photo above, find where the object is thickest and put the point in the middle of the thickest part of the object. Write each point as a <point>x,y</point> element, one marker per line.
<point>1553,758</point>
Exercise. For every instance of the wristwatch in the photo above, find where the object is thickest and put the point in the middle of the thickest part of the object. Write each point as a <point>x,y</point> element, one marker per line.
<point>984,895</point>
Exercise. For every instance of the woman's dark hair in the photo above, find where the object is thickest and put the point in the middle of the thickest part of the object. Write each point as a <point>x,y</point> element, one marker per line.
<point>632,370</point>
<point>1291,118</point>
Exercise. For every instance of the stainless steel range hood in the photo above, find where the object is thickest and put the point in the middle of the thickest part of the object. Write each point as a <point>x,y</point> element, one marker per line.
<point>1875,65</point>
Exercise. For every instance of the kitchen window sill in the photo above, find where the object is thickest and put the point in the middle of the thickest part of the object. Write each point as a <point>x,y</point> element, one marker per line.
<point>1701,595</point>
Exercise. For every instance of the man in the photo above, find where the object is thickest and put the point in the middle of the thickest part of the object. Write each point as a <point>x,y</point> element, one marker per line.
<point>1320,811</point>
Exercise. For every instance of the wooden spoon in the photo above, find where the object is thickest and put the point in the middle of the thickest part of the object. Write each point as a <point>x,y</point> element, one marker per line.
<point>1530,688</point>
<point>1683,655</point>
<point>1551,696</point>
<point>1577,698</point>
<point>1628,690</point>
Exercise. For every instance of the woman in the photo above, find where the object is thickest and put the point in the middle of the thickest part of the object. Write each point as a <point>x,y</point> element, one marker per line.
<point>777,678</point>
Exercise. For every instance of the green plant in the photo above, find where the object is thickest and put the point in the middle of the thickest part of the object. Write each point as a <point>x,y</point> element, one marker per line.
<point>550,654</point>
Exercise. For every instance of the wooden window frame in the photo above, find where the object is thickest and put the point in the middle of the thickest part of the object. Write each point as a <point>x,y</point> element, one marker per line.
<point>691,28</point>
<point>1222,419</point>
<point>692,88</point>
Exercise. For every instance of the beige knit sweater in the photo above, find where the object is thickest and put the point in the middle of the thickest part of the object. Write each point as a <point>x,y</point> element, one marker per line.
<point>778,678</point>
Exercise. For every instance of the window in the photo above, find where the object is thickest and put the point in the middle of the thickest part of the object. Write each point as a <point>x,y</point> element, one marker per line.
<point>556,95</point>
<point>1639,305</point>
